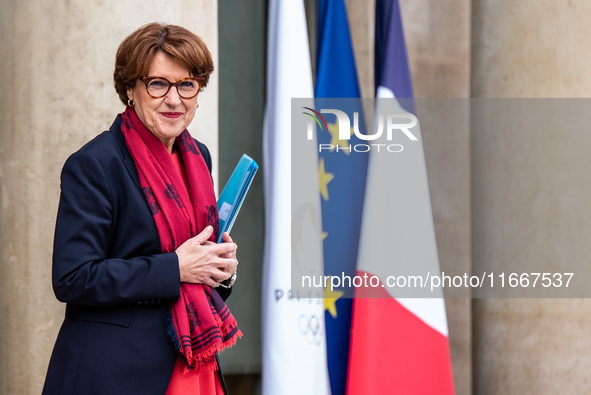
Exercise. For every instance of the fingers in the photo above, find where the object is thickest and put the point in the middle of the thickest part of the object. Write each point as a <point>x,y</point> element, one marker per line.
<point>226,238</point>
<point>207,267</point>
<point>215,276</point>
<point>211,282</point>
<point>231,254</point>
<point>204,235</point>
<point>224,273</point>
<point>229,268</point>
<point>225,248</point>
<point>206,262</point>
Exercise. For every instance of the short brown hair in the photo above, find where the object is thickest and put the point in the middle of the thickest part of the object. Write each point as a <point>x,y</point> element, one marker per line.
<point>136,52</point>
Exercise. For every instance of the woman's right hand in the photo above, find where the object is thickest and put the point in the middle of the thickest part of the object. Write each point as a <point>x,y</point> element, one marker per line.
<point>201,261</point>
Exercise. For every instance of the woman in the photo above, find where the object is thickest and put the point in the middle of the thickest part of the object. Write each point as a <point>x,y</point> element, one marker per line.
<point>134,253</point>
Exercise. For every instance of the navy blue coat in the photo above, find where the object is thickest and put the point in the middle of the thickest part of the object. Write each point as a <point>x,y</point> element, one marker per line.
<point>109,269</point>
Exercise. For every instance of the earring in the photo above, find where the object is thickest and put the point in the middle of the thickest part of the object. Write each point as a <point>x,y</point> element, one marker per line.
<point>130,103</point>
<point>197,105</point>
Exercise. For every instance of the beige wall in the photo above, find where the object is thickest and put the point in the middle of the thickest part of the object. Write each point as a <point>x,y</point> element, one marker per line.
<point>526,49</point>
<point>56,79</point>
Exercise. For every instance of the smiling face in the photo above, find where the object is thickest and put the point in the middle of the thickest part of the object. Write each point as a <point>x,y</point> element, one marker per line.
<point>167,116</point>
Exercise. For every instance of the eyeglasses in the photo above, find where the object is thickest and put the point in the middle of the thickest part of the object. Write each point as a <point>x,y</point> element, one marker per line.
<point>158,87</point>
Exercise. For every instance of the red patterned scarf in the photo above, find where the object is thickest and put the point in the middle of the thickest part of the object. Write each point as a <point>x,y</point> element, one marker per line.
<point>199,322</point>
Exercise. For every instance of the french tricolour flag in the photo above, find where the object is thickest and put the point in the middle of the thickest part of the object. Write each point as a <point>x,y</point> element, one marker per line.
<point>398,345</point>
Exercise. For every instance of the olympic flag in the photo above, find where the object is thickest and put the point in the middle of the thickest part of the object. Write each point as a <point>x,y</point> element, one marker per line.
<point>294,349</point>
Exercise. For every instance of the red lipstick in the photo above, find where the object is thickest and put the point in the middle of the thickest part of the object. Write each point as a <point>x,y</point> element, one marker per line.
<point>172,114</point>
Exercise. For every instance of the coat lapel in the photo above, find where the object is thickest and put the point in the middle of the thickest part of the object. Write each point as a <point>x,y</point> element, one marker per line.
<point>125,154</point>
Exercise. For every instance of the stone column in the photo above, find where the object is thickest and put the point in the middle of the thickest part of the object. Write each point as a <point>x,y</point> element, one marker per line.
<point>534,49</point>
<point>361,15</point>
<point>57,93</point>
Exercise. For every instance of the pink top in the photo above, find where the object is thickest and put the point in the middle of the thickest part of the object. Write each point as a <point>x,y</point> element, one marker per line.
<point>183,383</point>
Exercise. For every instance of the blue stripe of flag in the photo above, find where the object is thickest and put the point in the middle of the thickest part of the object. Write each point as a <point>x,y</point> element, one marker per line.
<point>341,214</point>
<point>391,61</point>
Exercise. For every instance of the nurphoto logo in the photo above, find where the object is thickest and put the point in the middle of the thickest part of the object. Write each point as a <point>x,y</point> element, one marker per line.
<point>399,122</point>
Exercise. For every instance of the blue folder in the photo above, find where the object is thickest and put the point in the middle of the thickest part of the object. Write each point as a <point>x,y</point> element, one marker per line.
<point>234,192</point>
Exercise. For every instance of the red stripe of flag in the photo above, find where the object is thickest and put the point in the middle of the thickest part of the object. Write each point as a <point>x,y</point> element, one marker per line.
<point>393,351</point>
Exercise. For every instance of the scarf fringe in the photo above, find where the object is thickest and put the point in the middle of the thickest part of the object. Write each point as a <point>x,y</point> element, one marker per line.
<point>203,359</point>
<point>210,367</point>
<point>203,362</point>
